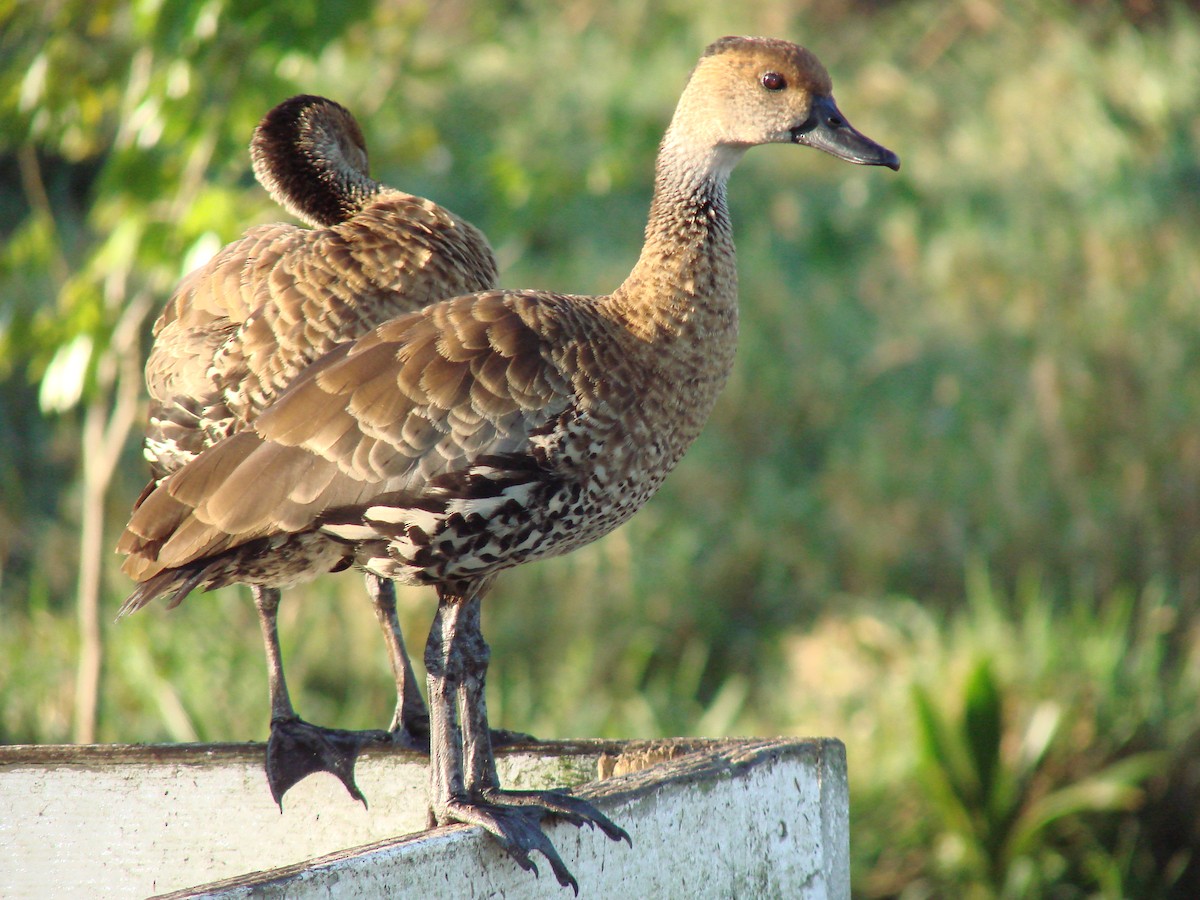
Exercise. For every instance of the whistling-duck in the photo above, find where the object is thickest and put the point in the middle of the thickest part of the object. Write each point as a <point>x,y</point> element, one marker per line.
<point>239,329</point>
<point>501,427</point>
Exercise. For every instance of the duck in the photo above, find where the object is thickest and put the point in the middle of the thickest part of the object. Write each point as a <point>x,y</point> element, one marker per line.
<point>500,427</point>
<point>239,329</point>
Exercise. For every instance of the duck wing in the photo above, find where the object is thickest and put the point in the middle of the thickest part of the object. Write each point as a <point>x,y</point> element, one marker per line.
<point>403,412</point>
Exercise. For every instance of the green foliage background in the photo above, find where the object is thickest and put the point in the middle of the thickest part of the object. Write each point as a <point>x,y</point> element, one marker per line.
<point>948,509</point>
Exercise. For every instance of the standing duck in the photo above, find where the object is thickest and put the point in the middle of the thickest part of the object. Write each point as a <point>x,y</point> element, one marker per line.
<point>501,427</point>
<point>238,330</point>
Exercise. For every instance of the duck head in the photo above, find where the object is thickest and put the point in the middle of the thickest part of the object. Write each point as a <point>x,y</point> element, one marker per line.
<point>310,155</point>
<point>749,91</point>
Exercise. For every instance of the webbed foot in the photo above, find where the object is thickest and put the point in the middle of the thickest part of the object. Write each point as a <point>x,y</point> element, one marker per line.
<point>463,783</point>
<point>297,749</point>
<point>514,819</point>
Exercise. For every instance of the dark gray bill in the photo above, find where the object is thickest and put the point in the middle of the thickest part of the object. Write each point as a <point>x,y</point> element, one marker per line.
<point>827,129</point>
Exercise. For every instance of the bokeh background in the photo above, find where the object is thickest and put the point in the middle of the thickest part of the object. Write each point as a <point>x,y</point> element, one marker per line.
<point>948,508</point>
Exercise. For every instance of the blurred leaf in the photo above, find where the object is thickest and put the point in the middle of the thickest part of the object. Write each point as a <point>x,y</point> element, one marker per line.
<point>65,377</point>
<point>1116,788</point>
<point>982,727</point>
<point>1038,738</point>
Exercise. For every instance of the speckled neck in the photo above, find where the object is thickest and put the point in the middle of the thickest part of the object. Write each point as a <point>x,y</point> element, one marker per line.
<point>685,282</point>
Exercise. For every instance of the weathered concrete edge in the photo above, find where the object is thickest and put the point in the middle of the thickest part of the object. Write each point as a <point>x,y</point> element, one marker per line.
<point>835,816</point>
<point>710,759</point>
<point>16,756</point>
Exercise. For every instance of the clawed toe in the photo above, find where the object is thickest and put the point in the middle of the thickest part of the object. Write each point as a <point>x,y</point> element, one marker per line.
<point>565,806</point>
<point>518,830</point>
<point>297,749</point>
<point>514,818</point>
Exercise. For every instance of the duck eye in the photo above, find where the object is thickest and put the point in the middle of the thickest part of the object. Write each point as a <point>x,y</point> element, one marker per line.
<point>773,81</point>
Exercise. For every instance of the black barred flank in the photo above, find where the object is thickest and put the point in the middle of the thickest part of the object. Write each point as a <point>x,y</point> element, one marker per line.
<point>491,475</point>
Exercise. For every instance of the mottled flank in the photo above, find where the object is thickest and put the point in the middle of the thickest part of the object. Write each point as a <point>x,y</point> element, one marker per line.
<point>492,429</point>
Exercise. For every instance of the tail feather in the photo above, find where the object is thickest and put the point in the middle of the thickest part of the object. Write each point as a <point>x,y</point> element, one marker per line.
<point>175,582</point>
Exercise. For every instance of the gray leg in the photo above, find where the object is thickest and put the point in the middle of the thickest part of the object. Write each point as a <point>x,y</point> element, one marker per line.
<point>456,658</point>
<point>480,764</point>
<point>266,602</point>
<point>410,723</point>
<point>297,749</point>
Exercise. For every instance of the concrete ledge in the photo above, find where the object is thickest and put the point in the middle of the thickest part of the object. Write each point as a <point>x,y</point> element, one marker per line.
<point>763,818</point>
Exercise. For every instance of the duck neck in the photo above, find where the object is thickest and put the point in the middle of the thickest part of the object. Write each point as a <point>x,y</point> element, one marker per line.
<point>338,189</point>
<point>685,282</point>
<point>318,172</point>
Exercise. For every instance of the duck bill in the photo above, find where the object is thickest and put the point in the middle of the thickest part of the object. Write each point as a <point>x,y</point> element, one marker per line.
<point>827,129</point>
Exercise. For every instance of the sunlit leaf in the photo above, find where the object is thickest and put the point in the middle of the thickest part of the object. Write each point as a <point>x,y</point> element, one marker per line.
<point>63,384</point>
<point>1039,735</point>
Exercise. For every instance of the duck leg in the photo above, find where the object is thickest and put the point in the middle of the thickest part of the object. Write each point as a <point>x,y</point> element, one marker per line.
<point>468,790</point>
<point>480,764</point>
<point>410,723</point>
<point>297,749</point>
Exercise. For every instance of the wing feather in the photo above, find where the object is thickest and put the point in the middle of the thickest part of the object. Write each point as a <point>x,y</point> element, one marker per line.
<point>239,329</point>
<point>390,414</point>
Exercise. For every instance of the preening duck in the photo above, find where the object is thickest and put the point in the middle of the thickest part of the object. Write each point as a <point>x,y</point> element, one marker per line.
<point>238,330</point>
<point>501,427</point>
